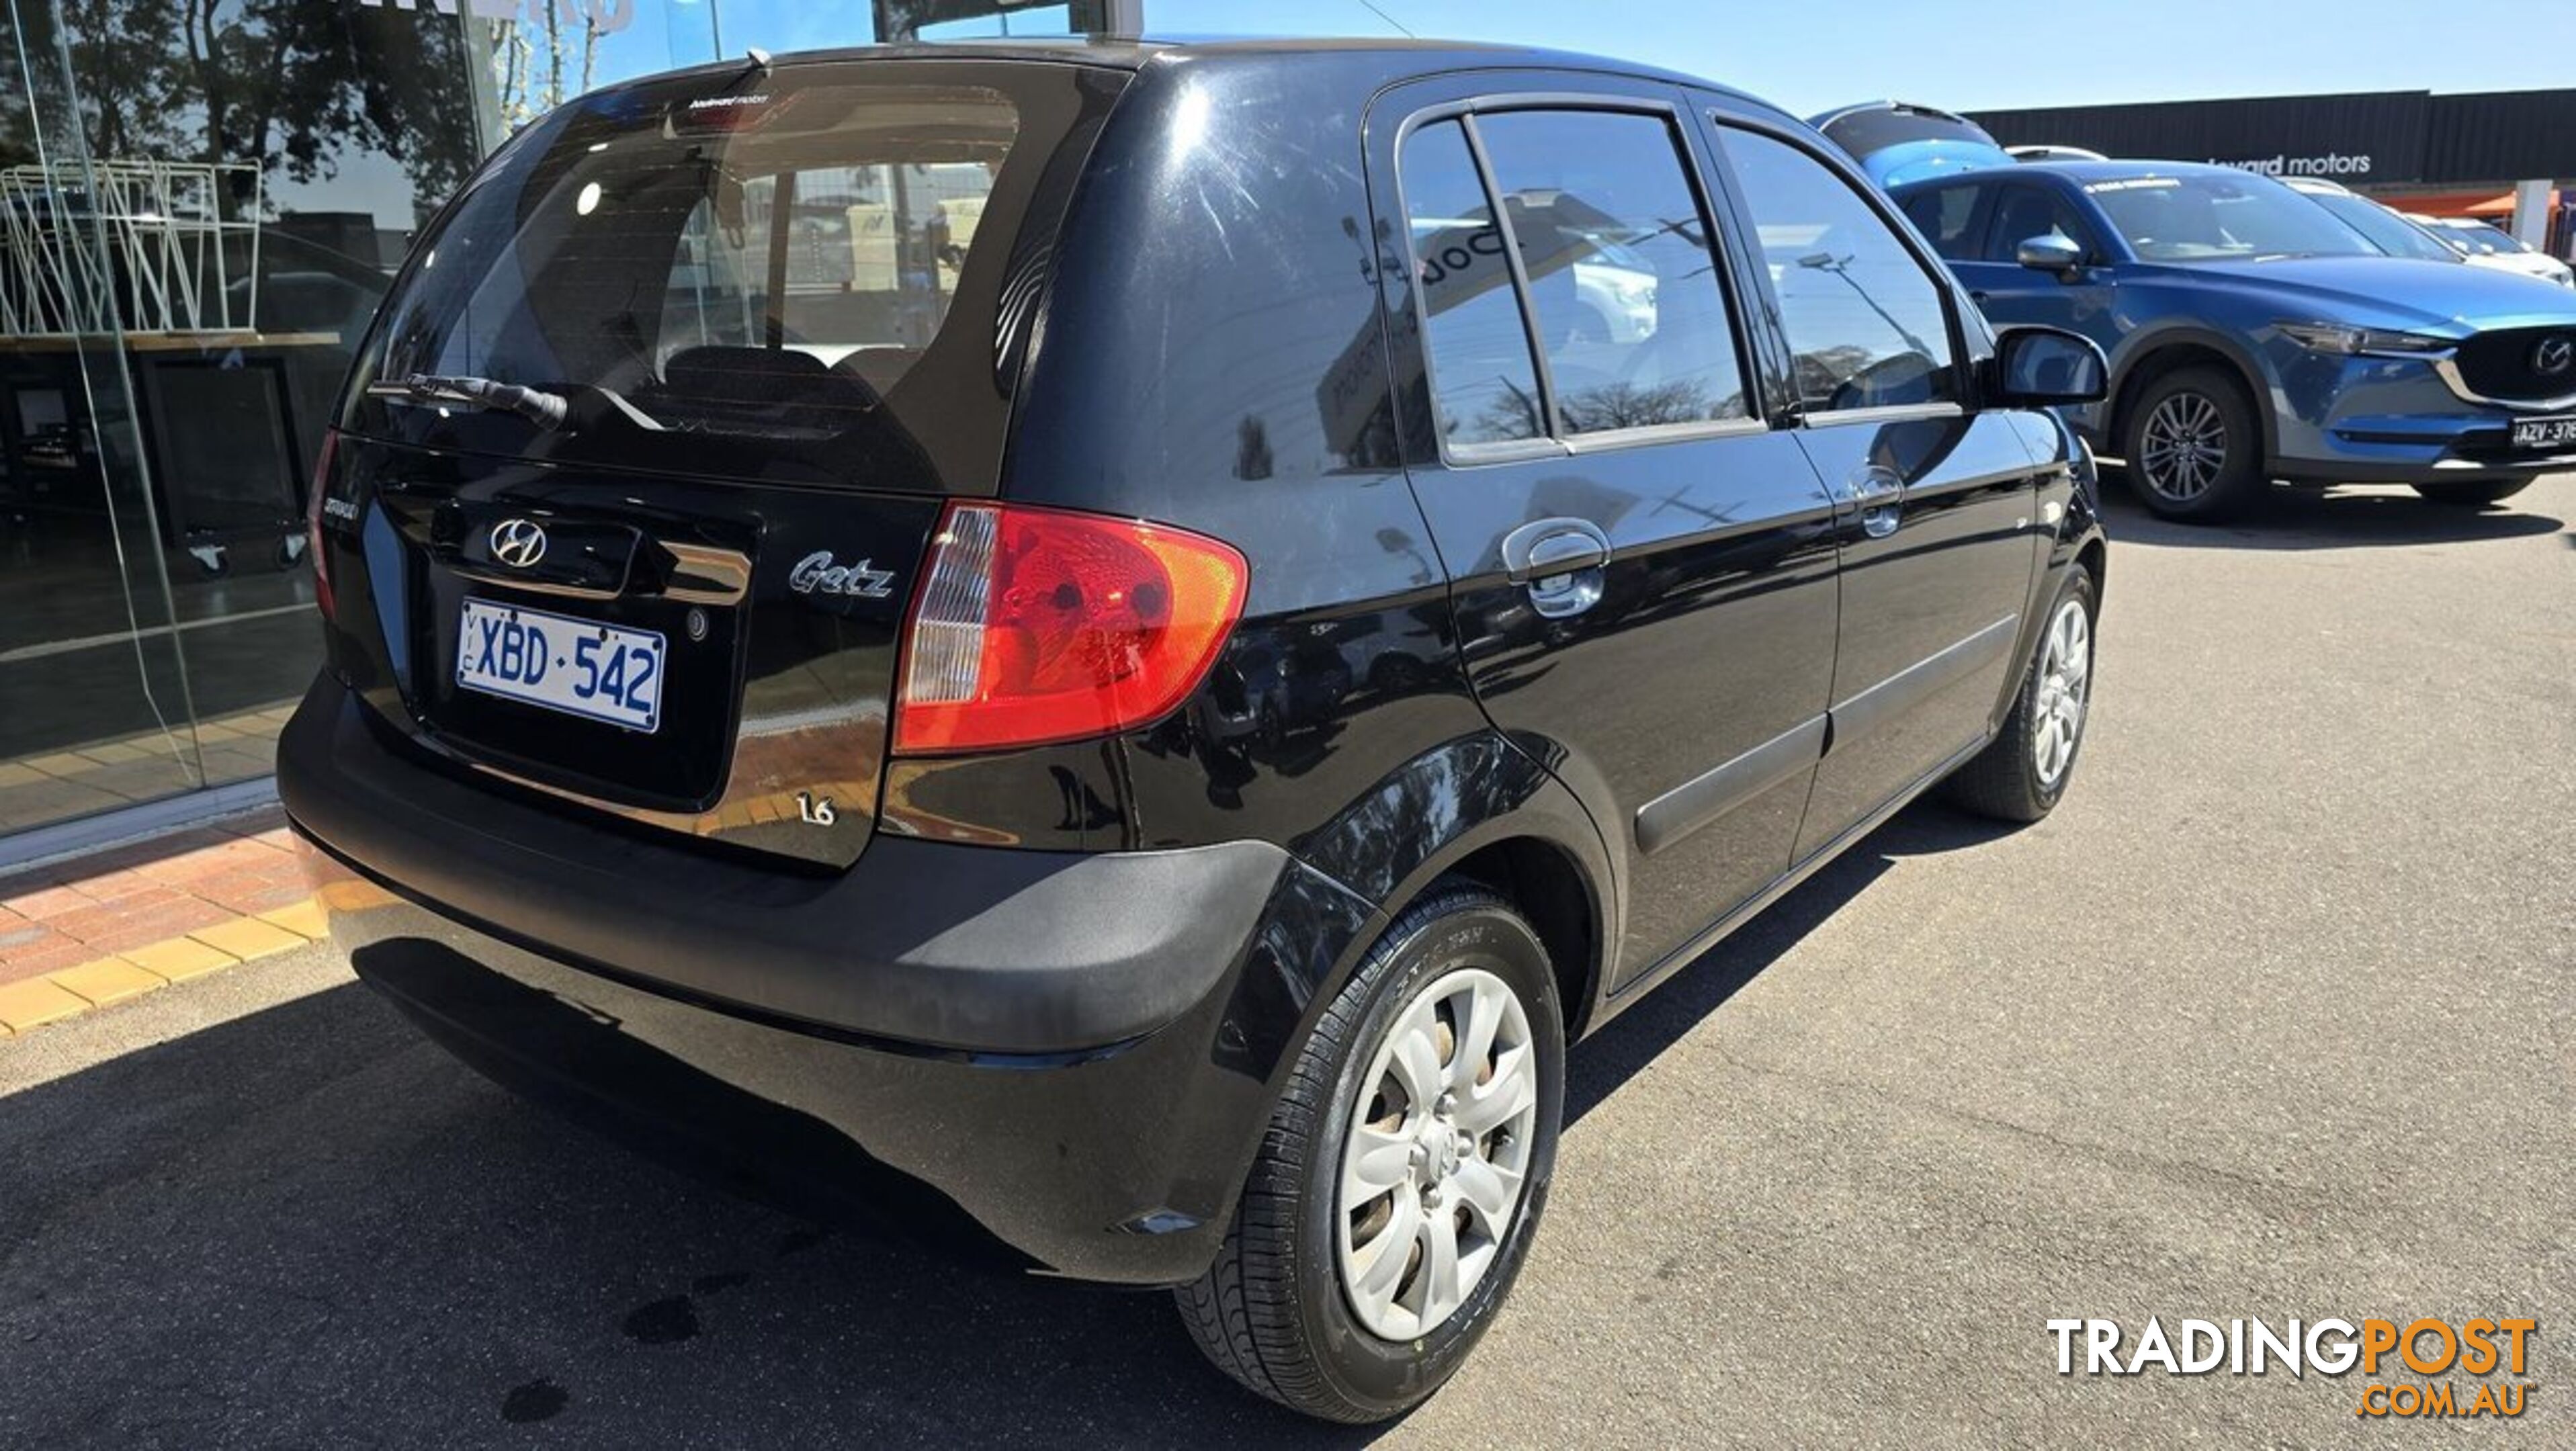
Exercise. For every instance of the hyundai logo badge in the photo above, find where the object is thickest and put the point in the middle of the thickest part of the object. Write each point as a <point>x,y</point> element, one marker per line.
<point>2554,356</point>
<point>519,543</point>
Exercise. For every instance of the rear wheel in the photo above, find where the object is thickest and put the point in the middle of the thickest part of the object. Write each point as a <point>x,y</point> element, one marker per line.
<point>2472,496</point>
<point>2020,775</point>
<point>1403,1173</point>
<point>2194,446</point>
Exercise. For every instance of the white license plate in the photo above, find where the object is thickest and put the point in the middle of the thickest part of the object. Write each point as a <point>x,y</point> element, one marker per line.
<point>2547,435</point>
<point>579,667</point>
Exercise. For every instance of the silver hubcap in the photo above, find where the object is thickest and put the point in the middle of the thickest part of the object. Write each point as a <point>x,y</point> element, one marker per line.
<point>2065,672</point>
<point>1438,1147</point>
<point>2184,446</point>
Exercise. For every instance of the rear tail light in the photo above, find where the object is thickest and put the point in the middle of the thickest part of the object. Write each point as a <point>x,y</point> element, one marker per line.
<point>320,491</point>
<point>1035,625</point>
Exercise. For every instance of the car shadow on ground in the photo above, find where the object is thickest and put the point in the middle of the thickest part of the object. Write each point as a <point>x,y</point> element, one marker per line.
<point>2343,518</point>
<point>1601,1064</point>
<point>397,1243</point>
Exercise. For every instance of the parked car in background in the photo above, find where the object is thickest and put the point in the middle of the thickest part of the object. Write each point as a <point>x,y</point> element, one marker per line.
<point>2486,245</point>
<point>2384,227</point>
<point>1901,141</point>
<point>2255,335</point>
<point>1158,805</point>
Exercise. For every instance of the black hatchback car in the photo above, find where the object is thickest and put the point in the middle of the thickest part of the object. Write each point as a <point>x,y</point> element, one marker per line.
<point>1113,647</point>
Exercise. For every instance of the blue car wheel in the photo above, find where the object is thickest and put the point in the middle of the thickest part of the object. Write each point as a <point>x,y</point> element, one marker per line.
<point>2194,446</point>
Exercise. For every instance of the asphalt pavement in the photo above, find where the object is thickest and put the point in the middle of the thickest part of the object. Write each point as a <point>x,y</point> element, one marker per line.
<point>2275,1017</point>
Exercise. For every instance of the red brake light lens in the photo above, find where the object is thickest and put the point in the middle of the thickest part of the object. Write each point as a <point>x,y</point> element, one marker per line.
<point>320,491</point>
<point>1036,625</point>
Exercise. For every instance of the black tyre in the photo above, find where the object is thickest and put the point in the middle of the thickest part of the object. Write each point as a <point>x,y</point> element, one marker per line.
<point>2020,775</point>
<point>1419,1120</point>
<point>2472,496</point>
<point>2194,446</point>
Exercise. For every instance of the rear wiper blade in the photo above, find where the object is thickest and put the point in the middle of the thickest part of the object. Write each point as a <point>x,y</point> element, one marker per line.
<point>544,409</point>
<point>585,407</point>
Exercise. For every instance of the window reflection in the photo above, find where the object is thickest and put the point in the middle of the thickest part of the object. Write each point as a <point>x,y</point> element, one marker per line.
<point>1485,385</point>
<point>1621,278</point>
<point>1865,322</point>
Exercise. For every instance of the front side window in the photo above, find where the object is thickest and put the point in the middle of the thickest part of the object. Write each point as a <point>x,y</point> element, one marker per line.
<point>2024,212</point>
<point>1622,278</point>
<point>1865,321</point>
<point>1484,383</point>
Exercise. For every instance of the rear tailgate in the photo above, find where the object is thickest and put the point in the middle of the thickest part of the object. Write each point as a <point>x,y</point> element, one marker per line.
<point>780,313</point>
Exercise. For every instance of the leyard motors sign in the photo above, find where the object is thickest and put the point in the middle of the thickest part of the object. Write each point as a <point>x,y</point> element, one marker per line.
<point>2368,137</point>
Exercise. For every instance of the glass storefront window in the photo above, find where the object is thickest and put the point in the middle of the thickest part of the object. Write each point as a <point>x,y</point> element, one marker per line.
<point>201,206</point>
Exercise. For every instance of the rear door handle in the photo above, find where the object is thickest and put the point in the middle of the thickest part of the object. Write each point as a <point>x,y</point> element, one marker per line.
<point>1560,563</point>
<point>1877,494</point>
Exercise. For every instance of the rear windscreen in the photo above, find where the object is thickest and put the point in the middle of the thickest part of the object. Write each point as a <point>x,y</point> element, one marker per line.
<point>778,257</point>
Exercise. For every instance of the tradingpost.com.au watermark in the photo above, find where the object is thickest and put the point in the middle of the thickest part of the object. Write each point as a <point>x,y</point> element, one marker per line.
<point>2494,1354</point>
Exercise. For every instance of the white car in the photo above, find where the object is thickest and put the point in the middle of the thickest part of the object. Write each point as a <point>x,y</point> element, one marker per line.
<point>2387,228</point>
<point>2489,246</point>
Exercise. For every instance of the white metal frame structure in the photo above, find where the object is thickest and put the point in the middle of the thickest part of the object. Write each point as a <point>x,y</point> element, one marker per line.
<point>161,254</point>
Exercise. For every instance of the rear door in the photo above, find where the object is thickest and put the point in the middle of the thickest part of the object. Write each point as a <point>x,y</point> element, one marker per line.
<point>1642,563</point>
<point>1939,538</point>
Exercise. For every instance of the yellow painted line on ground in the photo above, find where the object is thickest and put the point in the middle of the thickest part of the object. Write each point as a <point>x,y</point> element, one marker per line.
<point>76,990</point>
<point>248,937</point>
<point>108,980</point>
<point>35,1002</point>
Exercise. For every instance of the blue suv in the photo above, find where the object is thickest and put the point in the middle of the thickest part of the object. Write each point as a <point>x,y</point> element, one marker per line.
<point>2254,336</point>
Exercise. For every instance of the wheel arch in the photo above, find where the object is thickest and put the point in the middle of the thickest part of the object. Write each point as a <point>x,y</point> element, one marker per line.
<point>2151,355</point>
<point>1482,809</point>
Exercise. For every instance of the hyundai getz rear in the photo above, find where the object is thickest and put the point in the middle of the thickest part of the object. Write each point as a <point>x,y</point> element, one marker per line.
<point>1086,649</point>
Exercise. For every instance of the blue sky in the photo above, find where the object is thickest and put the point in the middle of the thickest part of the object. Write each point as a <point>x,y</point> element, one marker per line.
<point>1809,56</point>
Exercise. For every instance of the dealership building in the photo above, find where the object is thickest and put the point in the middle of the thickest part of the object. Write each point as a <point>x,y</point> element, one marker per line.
<point>199,209</point>
<point>2506,156</point>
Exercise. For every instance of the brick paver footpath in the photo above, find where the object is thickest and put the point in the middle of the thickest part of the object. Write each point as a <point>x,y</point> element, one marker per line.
<point>99,929</point>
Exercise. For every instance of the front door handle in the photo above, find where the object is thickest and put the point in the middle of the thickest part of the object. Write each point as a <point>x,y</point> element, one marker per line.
<point>1560,563</point>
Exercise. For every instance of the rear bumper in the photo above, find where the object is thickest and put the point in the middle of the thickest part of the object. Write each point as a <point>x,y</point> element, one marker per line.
<point>1064,1060</point>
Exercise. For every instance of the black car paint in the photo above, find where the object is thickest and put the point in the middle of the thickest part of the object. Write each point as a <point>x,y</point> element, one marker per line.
<point>1226,344</point>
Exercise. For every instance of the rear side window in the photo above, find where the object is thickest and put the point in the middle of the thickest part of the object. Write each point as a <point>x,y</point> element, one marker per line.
<point>809,259</point>
<point>1485,384</point>
<point>1943,216</point>
<point>1622,294</point>
<point>1621,276</point>
<point>1865,320</point>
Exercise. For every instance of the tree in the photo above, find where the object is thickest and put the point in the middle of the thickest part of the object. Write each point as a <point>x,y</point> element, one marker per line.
<point>541,24</point>
<point>291,87</point>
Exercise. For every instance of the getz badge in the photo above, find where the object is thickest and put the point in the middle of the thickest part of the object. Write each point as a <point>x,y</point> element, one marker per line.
<point>816,574</point>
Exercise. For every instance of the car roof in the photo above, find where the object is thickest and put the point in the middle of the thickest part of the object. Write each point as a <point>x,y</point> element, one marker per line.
<point>2084,173</point>
<point>1430,55</point>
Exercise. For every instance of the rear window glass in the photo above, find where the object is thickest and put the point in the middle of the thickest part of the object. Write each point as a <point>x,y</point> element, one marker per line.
<point>776,257</point>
